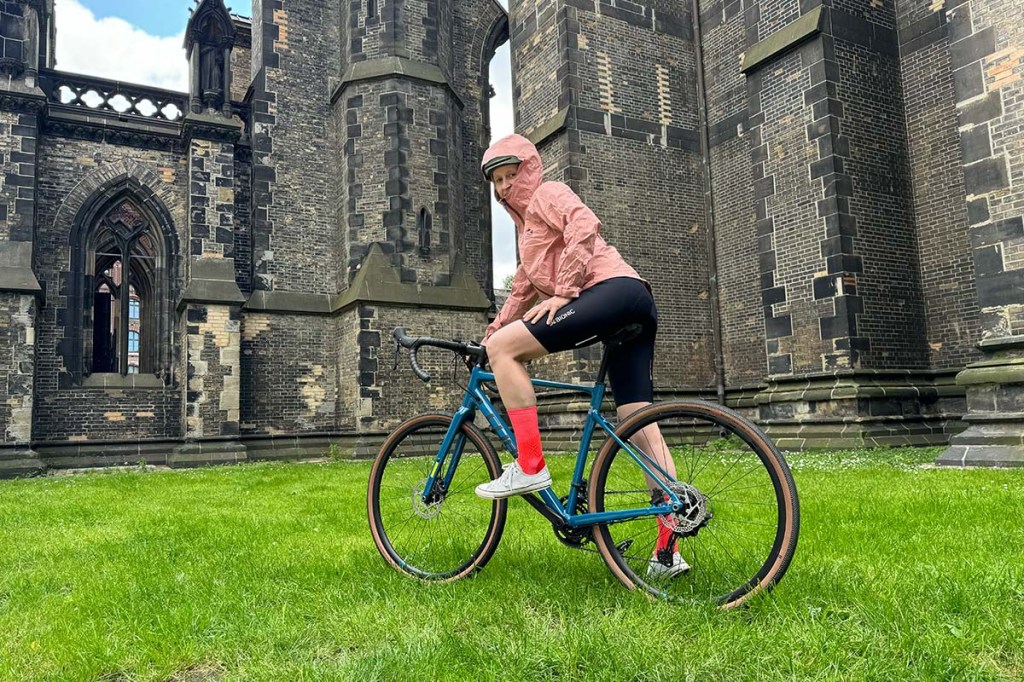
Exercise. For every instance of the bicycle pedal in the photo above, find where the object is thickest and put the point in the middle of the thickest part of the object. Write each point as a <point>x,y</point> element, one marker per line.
<point>624,545</point>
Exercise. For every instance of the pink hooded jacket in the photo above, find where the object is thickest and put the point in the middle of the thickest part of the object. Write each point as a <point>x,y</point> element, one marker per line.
<point>561,252</point>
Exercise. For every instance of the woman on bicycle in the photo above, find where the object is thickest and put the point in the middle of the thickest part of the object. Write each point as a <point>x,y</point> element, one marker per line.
<point>587,292</point>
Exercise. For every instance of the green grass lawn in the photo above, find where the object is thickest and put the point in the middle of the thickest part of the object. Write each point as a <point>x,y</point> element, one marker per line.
<point>268,572</point>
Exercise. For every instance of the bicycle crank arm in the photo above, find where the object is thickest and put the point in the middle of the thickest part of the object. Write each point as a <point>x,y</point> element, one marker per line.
<point>553,517</point>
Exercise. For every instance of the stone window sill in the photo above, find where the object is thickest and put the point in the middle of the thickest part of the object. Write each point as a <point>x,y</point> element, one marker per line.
<point>116,381</point>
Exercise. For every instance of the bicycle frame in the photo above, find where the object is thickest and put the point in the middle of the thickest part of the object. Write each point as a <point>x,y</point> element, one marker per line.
<point>547,503</point>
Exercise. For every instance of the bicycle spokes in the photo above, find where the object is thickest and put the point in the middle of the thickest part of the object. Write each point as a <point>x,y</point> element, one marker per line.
<point>730,517</point>
<point>432,526</point>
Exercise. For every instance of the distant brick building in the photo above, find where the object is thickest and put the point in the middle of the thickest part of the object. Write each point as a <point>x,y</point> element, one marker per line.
<point>825,196</point>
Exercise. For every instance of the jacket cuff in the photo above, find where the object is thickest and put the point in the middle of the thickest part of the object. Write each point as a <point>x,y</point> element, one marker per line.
<point>567,292</point>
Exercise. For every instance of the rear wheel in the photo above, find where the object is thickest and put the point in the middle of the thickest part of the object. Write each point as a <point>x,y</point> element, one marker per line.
<point>740,519</point>
<point>453,532</point>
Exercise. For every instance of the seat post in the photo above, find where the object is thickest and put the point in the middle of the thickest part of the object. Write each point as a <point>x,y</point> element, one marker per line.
<point>604,362</point>
<point>616,339</point>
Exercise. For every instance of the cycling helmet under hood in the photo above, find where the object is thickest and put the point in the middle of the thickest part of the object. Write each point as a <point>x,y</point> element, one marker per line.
<point>516,149</point>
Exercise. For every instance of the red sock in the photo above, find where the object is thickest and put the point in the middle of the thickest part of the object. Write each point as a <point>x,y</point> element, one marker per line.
<point>665,539</point>
<point>527,431</point>
<point>665,526</point>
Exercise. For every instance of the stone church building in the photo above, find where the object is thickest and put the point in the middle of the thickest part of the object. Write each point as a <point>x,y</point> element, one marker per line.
<point>826,195</point>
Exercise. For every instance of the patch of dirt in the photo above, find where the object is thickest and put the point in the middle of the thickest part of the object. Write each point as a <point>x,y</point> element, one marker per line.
<point>201,672</point>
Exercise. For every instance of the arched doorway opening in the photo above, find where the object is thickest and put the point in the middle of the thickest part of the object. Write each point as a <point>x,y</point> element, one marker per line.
<point>500,120</point>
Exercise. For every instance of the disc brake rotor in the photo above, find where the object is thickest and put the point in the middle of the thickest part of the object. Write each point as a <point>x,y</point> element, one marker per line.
<point>695,510</point>
<point>422,509</point>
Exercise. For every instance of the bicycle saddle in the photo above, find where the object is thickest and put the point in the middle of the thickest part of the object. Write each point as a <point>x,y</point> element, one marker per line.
<point>627,333</point>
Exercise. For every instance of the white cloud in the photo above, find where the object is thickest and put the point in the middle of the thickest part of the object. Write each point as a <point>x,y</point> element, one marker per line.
<point>113,48</point>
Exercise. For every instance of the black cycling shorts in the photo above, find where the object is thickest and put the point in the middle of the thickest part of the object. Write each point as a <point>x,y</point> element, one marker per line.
<point>595,315</point>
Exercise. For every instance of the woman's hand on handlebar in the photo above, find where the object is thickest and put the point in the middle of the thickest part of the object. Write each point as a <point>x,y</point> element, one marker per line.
<point>472,360</point>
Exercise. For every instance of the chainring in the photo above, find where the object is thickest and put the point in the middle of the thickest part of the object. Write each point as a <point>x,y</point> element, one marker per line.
<point>575,537</point>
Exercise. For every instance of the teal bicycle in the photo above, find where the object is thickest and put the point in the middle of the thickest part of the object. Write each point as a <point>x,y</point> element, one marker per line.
<point>732,504</point>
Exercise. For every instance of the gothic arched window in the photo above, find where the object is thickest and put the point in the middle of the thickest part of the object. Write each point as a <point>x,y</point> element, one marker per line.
<point>122,286</point>
<point>424,223</point>
<point>122,257</point>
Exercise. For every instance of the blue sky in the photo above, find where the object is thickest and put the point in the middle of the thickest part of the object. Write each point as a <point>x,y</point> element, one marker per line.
<point>157,17</point>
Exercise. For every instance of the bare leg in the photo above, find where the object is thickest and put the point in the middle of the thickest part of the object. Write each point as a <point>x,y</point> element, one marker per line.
<point>650,440</point>
<point>507,350</point>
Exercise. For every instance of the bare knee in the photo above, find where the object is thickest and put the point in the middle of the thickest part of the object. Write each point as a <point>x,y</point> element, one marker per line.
<point>624,411</point>
<point>499,351</point>
<point>513,344</point>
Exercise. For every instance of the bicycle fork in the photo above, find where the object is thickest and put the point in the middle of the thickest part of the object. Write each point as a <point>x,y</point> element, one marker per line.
<point>453,444</point>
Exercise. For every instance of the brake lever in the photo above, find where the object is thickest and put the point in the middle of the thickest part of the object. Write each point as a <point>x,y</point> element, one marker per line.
<point>398,353</point>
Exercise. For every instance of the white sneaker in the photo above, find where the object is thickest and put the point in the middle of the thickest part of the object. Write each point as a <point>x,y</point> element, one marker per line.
<point>514,482</point>
<point>659,570</point>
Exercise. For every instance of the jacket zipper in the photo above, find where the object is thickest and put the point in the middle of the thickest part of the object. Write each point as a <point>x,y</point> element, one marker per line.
<point>523,221</point>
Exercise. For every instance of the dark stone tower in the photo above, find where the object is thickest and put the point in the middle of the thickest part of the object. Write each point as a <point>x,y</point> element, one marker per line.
<point>26,39</point>
<point>821,193</point>
<point>985,48</point>
<point>840,256</point>
<point>210,309</point>
<point>840,275</point>
<point>366,211</point>
<point>607,92</point>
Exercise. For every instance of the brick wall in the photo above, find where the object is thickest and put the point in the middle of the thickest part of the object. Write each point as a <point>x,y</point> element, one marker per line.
<point>212,336</point>
<point>391,178</point>
<point>771,15</point>
<point>19,133</point>
<point>874,121</point>
<point>987,53</point>
<point>243,221</point>
<point>665,241</point>
<point>852,230</point>
<point>289,376</point>
<point>476,25</point>
<point>212,199</point>
<point>69,170</point>
<point>940,206</point>
<point>785,207</point>
<point>830,151</point>
<point>387,396</point>
<point>627,70</point>
<point>537,55</point>
<point>17,338</point>
<point>241,61</point>
<point>723,28</point>
<point>294,59</point>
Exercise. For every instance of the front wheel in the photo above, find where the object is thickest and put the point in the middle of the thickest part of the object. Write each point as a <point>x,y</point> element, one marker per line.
<point>737,529</point>
<point>449,533</point>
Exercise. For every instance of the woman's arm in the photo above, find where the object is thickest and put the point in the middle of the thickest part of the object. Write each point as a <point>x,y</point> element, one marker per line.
<point>519,301</point>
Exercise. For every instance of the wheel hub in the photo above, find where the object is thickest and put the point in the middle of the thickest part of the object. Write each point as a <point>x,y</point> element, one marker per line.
<point>428,509</point>
<point>694,511</point>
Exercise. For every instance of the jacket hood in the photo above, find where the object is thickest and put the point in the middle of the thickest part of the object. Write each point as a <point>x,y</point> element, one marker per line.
<point>528,177</point>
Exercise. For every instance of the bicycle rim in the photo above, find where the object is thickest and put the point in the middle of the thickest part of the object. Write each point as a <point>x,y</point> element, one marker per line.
<point>451,535</point>
<point>739,530</point>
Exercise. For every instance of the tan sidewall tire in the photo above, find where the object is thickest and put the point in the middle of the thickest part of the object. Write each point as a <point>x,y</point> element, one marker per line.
<point>498,518</point>
<point>756,438</point>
